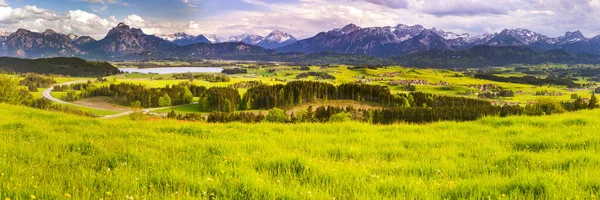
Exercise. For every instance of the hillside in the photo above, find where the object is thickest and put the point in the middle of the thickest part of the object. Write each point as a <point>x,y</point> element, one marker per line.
<point>64,66</point>
<point>53,156</point>
<point>484,56</point>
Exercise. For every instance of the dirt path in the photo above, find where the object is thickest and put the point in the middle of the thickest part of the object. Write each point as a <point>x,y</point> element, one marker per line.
<point>102,102</point>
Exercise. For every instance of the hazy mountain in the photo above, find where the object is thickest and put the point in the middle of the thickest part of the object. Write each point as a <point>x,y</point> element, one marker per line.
<point>425,40</point>
<point>78,41</point>
<point>276,39</point>
<point>392,41</point>
<point>517,37</point>
<point>485,55</point>
<point>25,43</point>
<point>383,42</point>
<point>214,38</point>
<point>123,39</point>
<point>183,39</point>
<point>356,40</point>
<point>220,49</point>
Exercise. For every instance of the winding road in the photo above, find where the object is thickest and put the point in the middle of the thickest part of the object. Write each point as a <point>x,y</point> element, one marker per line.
<point>48,95</point>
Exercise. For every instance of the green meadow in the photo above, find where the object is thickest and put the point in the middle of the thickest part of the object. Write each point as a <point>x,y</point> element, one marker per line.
<point>49,155</point>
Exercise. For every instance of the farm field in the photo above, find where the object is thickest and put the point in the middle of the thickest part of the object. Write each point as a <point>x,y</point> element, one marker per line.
<point>551,157</point>
<point>439,81</point>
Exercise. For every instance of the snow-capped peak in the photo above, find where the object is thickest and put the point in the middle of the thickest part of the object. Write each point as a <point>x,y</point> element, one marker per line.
<point>174,36</point>
<point>214,38</point>
<point>452,36</point>
<point>278,36</point>
<point>524,35</point>
<point>405,32</point>
<point>347,29</point>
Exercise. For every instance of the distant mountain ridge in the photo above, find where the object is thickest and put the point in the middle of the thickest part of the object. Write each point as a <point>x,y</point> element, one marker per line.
<point>274,40</point>
<point>382,42</point>
<point>403,39</point>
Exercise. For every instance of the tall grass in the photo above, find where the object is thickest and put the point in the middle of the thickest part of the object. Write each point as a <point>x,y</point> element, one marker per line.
<point>57,156</point>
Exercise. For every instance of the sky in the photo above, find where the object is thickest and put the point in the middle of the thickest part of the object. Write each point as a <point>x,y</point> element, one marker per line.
<point>301,18</point>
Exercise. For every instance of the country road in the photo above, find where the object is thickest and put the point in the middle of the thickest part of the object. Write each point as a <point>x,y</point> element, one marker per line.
<point>48,95</point>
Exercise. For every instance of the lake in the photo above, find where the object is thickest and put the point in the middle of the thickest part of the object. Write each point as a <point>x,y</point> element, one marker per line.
<point>173,70</point>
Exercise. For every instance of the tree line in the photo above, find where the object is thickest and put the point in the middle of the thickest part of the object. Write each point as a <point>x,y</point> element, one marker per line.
<point>128,93</point>
<point>12,93</point>
<point>531,80</point>
<point>34,81</point>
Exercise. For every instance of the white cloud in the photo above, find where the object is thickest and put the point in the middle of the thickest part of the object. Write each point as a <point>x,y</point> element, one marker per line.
<point>3,4</point>
<point>305,18</point>
<point>102,1</point>
<point>134,20</point>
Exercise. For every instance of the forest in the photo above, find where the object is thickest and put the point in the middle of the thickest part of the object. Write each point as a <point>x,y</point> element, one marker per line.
<point>58,65</point>
<point>531,80</point>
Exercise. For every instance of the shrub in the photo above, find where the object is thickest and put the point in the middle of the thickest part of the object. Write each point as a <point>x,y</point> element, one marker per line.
<point>340,117</point>
<point>276,115</point>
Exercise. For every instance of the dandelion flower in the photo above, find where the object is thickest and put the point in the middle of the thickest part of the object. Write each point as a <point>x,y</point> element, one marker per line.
<point>68,195</point>
<point>108,193</point>
<point>32,196</point>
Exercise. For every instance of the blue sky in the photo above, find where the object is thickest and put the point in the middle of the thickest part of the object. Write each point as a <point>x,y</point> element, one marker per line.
<point>302,18</point>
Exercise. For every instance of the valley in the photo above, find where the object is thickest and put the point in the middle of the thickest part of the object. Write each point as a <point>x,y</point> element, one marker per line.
<point>299,99</point>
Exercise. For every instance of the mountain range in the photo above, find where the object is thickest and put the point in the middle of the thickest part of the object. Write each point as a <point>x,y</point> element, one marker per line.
<point>274,40</point>
<point>402,40</point>
<point>123,42</point>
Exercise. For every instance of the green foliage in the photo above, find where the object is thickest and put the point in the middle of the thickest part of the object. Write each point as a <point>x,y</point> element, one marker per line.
<point>276,115</point>
<point>593,104</point>
<point>58,65</point>
<point>340,117</point>
<point>187,97</point>
<point>545,106</point>
<point>35,81</point>
<point>164,101</point>
<point>11,93</point>
<point>483,56</point>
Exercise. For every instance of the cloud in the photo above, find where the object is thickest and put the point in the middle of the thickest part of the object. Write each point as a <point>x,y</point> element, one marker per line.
<point>102,1</point>
<point>462,7</point>
<point>390,3</point>
<point>134,20</point>
<point>305,18</point>
<point>191,3</point>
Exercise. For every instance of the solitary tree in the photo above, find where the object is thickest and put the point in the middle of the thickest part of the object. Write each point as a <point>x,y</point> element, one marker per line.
<point>593,102</point>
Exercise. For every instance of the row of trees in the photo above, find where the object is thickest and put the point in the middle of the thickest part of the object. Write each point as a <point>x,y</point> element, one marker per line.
<point>532,80</point>
<point>127,93</point>
<point>35,81</point>
<point>324,114</point>
<point>74,86</point>
<point>207,77</point>
<point>301,92</point>
<point>12,93</point>
<point>320,75</point>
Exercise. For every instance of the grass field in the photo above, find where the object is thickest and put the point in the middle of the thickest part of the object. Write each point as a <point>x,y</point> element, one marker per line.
<point>458,85</point>
<point>57,156</point>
